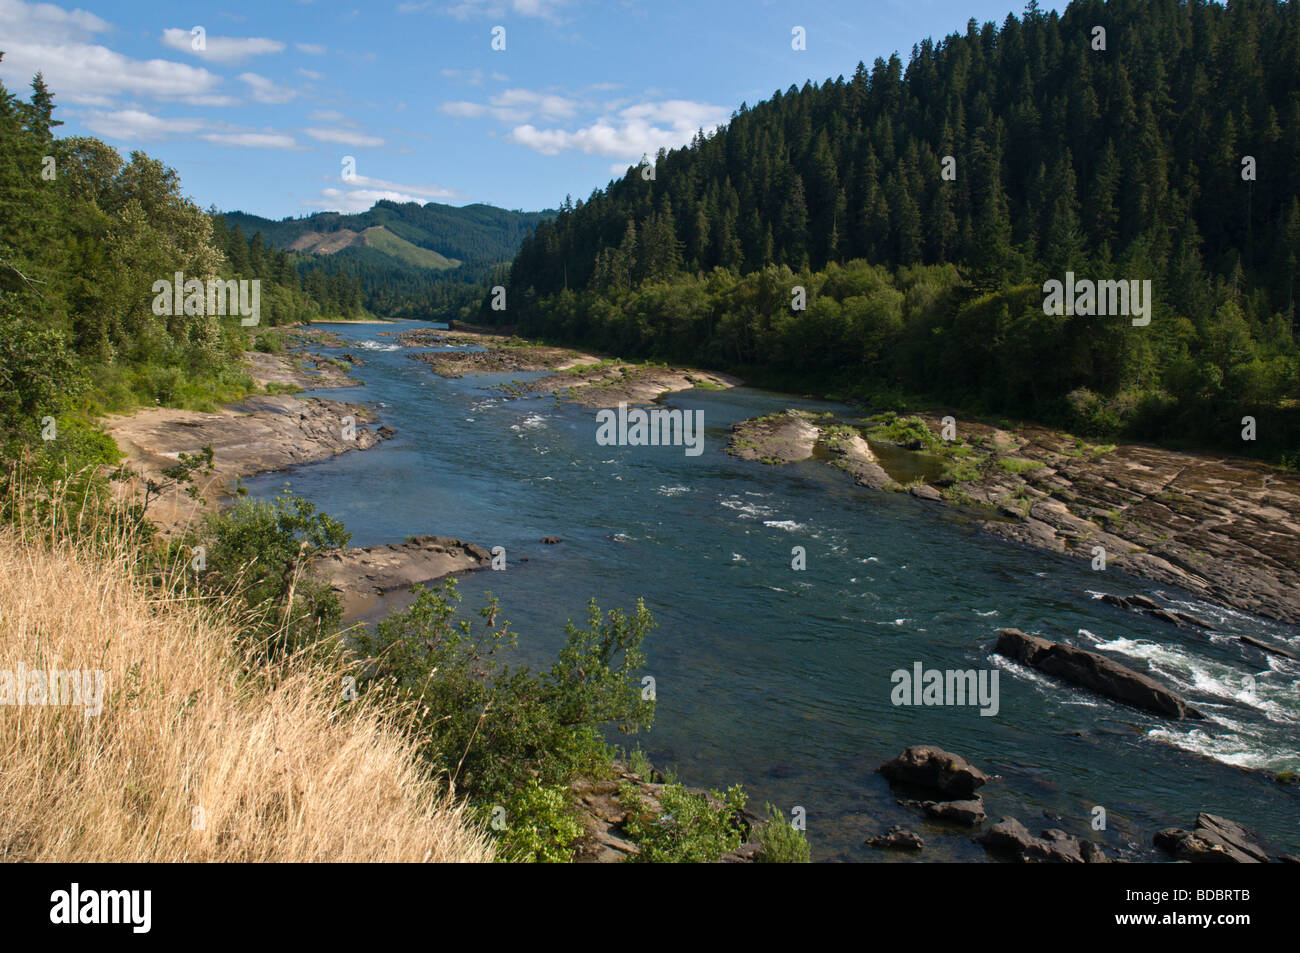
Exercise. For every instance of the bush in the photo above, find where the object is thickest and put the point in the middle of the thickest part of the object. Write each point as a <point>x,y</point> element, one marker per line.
<point>782,844</point>
<point>540,826</point>
<point>693,828</point>
<point>910,432</point>
<point>259,551</point>
<point>491,729</point>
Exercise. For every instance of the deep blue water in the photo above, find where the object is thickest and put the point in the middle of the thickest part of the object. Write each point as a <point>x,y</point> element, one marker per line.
<point>780,679</point>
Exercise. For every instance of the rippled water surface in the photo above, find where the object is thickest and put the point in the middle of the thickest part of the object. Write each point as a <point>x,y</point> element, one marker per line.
<point>781,679</point>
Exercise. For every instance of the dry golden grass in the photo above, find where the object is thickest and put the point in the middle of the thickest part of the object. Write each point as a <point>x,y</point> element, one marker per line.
<point>280,773</point>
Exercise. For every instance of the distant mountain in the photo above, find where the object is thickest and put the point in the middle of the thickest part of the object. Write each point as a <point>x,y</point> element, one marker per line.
<point>472,234</point>
<point>406,255</point>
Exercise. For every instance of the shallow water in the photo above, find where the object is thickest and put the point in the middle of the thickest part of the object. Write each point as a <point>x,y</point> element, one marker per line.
<point>781,679</point>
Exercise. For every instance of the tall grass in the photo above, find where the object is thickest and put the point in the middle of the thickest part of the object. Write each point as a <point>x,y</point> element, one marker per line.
<point>198,753</point>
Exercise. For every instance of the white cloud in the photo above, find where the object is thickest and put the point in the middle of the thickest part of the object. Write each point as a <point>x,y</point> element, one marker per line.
<point>515,105</point>
<point>425,191</point>
<point>326,115</point>
<point>351,201</point>
<point>92,75</point>
<point>252,140</point>
<point>463,10</point>
<point>311,49</point>
<point>310,74</point>
<point>136,125</point>
<point>473,77</point>
<point>221,49</point>
<point>633,131</point>
<point>347,137</point>
<point>265,91</point>
<point>40,37</point>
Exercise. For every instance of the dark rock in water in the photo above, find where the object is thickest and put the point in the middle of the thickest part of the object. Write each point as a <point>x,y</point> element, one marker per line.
<point>1169,838</point>
<point>551,540</point>
<point>1150,607</point>
<point>1092,854</point>
<point>1180,619</point>
<point>896,838</point>
<point>386,432</point>
<point>923,491</point>
<point>1009,837</point>
<point>1094,672</point>
<point>970,813</point>
<point>1129,603</point>
<point>1214,840</point>
<point>352,359</point>
<point>925,766</point>
<point>1271,649</point>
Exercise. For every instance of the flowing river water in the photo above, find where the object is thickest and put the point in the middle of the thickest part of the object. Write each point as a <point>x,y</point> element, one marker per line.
<point>781,679</point>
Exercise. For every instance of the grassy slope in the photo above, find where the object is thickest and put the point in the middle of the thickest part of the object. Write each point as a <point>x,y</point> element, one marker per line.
<point>381,238</point>
<point>280,774</point>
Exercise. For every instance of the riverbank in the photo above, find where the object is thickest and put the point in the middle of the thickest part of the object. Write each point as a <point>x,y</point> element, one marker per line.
<point>267,433</point>
<point>1226,530</point>
<point>590,380</point>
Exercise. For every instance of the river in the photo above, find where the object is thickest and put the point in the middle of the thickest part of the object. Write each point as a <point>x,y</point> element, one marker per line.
<point>781,679</point>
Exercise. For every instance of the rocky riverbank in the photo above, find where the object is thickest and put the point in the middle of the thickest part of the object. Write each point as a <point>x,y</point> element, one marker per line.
<point>943,786</point>
<point>261,434</point>
<point>270,432</point>
<point>1226,530</point>
<point>582,378</point>
<point>361,575</point>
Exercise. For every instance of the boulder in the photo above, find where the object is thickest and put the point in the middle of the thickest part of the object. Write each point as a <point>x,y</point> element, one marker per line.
<point>1270,649</point>
<point>1094,672</point>
<point>925,766</point>
<point>1011,838</point>
<point>1214,840</point>
<point>896,838</point>
<point>923,491</point>
<point>1007,836</point>
<point>968,813</point>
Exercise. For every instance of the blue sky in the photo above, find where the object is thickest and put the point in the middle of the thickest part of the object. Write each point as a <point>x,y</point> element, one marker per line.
<point>262,117</point>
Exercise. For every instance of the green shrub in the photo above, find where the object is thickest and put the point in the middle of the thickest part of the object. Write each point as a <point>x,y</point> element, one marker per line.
<point>782,844</point>
<point>904,432</point>
<point>490,728</point>
<point>690,830</point>
<point>540,826</point>
<point>258,550</point>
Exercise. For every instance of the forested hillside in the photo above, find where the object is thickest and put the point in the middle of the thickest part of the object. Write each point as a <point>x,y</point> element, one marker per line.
<point>1169,155</point>
<point>474,240</point>
<point>84,237</point>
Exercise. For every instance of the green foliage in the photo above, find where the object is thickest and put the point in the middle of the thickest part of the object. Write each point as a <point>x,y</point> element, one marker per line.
<point>1018,464</point>
<point>693,828</point>
<point>540,826</point>
<point>259,551</point>
<point>781,843</point>
<point>490,728</point>
<point>805,189</point>
<point>910,432</point>
<point>413,261</point>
